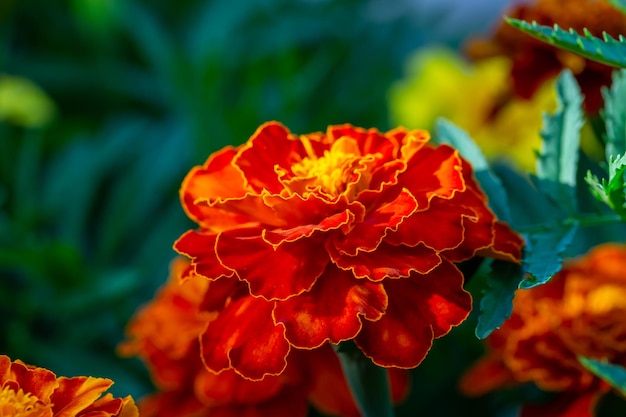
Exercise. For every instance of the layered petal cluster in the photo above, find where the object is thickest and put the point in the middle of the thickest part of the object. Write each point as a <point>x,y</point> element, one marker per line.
<point>475,96</point>
<point>351,234</point>
<point>580,312</point>
<point>534,61</point>
<point>165,334</point>
<point>29,391</point>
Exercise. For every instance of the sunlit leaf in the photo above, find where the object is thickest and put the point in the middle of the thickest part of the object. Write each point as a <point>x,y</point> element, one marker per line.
<point>608,50</point>
<point>612,191</point>
<point>614,114</point>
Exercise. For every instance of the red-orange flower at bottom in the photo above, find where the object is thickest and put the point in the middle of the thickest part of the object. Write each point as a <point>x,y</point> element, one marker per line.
<point>580,312</point>
<point>29,391</point>
<point>165,334</point>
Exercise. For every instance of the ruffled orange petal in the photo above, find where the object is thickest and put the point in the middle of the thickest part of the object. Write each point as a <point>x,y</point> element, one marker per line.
<point>244,338</point>
<point>388,261</point>
<point>37,381</point>
<point>433,172</point>
<point>76,394</point>
<point>420,309</point>
<point>273,272</point>
<point>200,247</point>
<point>270,146</point>
<point>506,245</point>
<point>218,179</point>
<point>386,217</point>
<point>370,141</point>
<point>331,310</point>
<point>486,375</point>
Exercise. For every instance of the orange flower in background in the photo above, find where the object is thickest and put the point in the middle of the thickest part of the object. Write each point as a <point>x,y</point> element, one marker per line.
<point>351,234</point>
<point>580,312</point>
<point>165,334</point>
<point>29,391</point>
<point>535,62</point>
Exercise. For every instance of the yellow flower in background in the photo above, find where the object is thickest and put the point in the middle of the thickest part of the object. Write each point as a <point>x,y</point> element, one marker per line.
<point>23,103</point>
<point>476,97</point>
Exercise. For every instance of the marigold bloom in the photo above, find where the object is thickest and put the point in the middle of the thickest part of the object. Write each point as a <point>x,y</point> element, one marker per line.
<point>535,61</point>
<point>475,96</point>
<point>165,334</point>
<point>580,312</point>
<point>29,391</point>
<point>328,237</point>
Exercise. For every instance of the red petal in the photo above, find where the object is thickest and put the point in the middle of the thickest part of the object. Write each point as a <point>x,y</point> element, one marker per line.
<point>76,394</point>
<point>244,338</point>
<point>388,261</point>
<point>488,374</point>
<point>370,141</point>
<point>433,172</point>
<point>420,308</point>
<point>201,249</point>
<point>272,272</point>
<point>271,145</point>
<point>37,381</point>
<point>440,227</point>
<point>341,220</point>
<point>384,218</point>
<point>217,179</point>
<point>228,387</point>
<point>507,245</point>
<point>331,310</point>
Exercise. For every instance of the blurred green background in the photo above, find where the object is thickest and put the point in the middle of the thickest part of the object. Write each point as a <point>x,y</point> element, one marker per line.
<point>142,90</point>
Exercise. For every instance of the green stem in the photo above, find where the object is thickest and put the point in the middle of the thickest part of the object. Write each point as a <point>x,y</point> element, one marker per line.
<point>368,383</point>
<point>583,220</point>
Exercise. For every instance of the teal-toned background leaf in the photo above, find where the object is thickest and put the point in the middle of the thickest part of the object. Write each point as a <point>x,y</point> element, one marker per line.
<point>496,305</point>
<point>608,50</point>
<point>615,375</point>
<point>557,162</point>
<point>543,253</point>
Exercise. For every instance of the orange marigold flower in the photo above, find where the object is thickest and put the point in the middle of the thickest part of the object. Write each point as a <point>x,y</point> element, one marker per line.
<point>351,234</point>
<point>580,312</point>
<point>29,391</point>
<point>534,61</point>
<point>165,334</point>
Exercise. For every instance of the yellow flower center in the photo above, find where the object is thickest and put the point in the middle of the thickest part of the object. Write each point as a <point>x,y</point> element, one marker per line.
<point>332,172</point>
<point>21,404</point>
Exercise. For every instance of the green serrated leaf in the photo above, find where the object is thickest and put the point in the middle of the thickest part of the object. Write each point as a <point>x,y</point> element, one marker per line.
<point>557,162</point>
<point>497,302</point>
<point>614,114</point>
<point>615,375</point>
<point>447,132</point>
<point>543,255</point>
<point>609,51</point>
<point>619,5</point>
<point>612,191</point>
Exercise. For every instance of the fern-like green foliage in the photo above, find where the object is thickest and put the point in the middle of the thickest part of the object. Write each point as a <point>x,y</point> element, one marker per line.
<point>611,191</point>
<point>606,50</point>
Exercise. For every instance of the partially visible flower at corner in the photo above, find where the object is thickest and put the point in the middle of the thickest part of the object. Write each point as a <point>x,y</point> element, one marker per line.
<point>476,96</point>
<point>580,312</point>
<point>23,103</point>
<point>165,335</point>
<point>535,61</point>
<point>30,391</point>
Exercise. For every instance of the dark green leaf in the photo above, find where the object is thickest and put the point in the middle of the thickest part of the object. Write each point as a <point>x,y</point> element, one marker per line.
<point>543,253</point>
<point>497,302</point>
<point>557,162</point>
<point>615,375</point>
<point>368,383</point>
<point>451,134</point>
<point>614,115</point>
<point>609,51</point>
